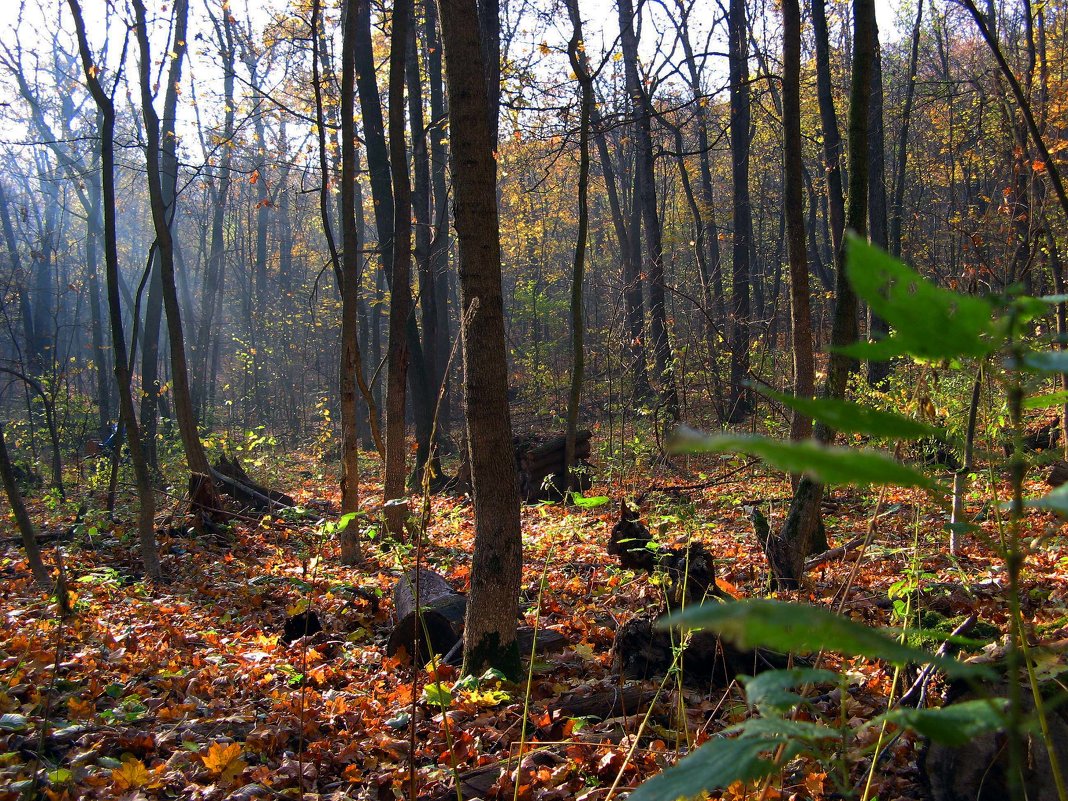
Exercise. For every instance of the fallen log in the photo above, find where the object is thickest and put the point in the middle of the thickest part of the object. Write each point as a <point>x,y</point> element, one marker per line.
<point>236,483</point>
<point>541,467</point>
<point>1058,474</point>
<point>435,627</point>
<point>629,699</point>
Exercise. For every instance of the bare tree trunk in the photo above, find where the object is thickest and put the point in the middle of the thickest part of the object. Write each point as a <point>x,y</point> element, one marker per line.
<point>739,403</point>
<point>642,111</point>
<point>106,107</point>
<point>803,519</point>
<point>22,519</point>
<point>793,207</point>
<point>400,299</point>
<point>576,54</point>
<point>497,563</point>
<point>196,459</point>
<point>896,206</point>
<point>878,371</point>
<point>832,139</point>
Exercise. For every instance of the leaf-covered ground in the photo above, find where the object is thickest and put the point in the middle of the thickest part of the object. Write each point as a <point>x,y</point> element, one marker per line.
<point>184,690</point>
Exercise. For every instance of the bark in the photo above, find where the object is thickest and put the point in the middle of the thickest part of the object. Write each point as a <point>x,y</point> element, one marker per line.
<point>739,402</point>
<point>400,299</point>
<point>832,139</point>
<point>576,54</point>
<point>106,107</point>
<point>878,371</point>
<point>498,552</point>
<point>642,114</point>
<point>22,519</point>
<point>793,207</point>
<point>901,162</point>
<point>196,459</point>
<point>803,518</point>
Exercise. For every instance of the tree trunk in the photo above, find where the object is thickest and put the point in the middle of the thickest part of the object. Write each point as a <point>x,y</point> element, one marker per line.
<point>106,107</point>
<point>832,138</point>
<point>803,519</point>
<point>196,459</point>
<point>497,562</point>
<point>896,206</point>
<point>400,298</point>
<point>793,207</point>
<point>878,371</point>
<point>642,113</point>
<point>580,67</point>
<point>739,403</point>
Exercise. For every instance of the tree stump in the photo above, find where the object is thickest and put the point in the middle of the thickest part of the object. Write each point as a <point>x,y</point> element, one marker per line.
<point>436,627</point>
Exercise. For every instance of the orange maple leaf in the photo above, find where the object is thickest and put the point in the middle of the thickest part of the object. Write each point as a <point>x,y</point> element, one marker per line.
<point>224,761</point>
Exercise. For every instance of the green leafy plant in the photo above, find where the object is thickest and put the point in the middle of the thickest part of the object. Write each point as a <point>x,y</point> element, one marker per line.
<point>930,325</point>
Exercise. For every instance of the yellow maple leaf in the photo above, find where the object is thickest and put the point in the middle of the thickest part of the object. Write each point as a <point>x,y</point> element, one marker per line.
<point>133,775</point>
<point>224,761</point>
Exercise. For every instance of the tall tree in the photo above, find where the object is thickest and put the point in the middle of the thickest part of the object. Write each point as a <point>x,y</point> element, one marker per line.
<point>576,52</point>
<point>196,458</point>
<point>146,525</point>
<point>642,115</point>
<point>496,566</point>
<point>741,117</point>
<point>787,552</point>
<point>400,298</point>
<point>793,205</point>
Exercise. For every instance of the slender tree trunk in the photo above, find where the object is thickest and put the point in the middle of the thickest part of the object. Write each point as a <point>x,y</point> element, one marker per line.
<point>739,403</point>
<point>196,459</point>
<point>22,519</point>
<point>146,498</point>
<point>898,203</point>
<point>803,519</point>
<point>832,139</point>
<point>496,567</point>
<point>642,111</point>
<point>400,298</point>
<point>350,367</point>
<point>793,207</point>
<point>579,66</point>
<point>878,371</point>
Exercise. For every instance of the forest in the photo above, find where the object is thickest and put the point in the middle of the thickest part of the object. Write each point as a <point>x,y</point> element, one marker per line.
<point>534,400</point>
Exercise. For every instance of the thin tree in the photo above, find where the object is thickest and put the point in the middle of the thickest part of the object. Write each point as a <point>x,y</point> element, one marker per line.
<point>793,207</point>
<point>196,458</point>
<point>497,562</point>
<point>106,106</point>
<point>576,54</point>
<point>400,298</point>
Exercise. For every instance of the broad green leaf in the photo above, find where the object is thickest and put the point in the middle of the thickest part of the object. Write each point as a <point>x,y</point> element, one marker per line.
<point>830,465</point>
<point>773,688</point>
<point>956,724</point>
<point>583,502</point>
<point>1047,361</point>
<point>714,766</point>
<point>13,722</point>
<point>801,731</point>
<point>852,418</point>
<point>437,695</point>
<point>928,321</point>
<point>804,629</point>
<point>1047,400</point>
<point>1055,501</point>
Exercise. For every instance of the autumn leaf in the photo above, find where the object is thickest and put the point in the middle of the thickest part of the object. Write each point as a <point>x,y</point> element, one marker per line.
<point>252,179</point>
<point>132,775</point>
<point>224,761</point>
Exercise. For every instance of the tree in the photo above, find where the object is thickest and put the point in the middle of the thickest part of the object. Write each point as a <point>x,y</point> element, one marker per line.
<point>400,298</point>
<point>146,524</point>
<point>496,566</point>
<point>196,459</point>
<point>738,55</point>
<point>642,117</point>
<point>793,159</point>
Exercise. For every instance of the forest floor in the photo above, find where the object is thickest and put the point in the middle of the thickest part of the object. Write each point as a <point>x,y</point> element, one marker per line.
<point>183,689</point>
